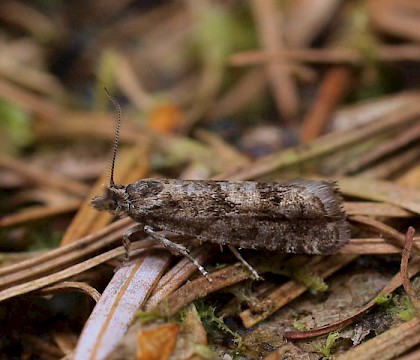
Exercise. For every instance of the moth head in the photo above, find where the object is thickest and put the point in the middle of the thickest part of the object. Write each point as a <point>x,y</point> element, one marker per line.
<point>113,200</point>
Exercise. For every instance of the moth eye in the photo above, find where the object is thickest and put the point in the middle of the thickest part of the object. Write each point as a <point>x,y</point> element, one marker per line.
<point>111,205</point>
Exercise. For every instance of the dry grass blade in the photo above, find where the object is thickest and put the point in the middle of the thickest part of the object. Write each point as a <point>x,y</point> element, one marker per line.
<point>365,112</point>
<point>306,20</point>
<point>410,178</point>
<point>38,213</point>
<point>330,56</point>
<point>242,93</point>
<point>387,169</point>
<point>399,18</point>
<point>371,246</point>
<point>29,18</point>
<point>124,295</point>
<point>375,209</point>
<point>130,84</point>
<point>201,287</point>
<point>384,229</point>
<point>269,25</point>
<point>44,177</point>
<point>29,101</point>
<point>61,257</point>
<point>324,145</point>
<point>72,286</point>
<point>414,355</point>
<point>177,275</point>
<point>41,282</point>
<point>388,345</point>
<point>381,190</point>
<point>393,144</point>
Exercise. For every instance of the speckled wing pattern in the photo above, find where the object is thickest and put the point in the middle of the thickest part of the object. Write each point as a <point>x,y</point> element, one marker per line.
<point>301,216</point>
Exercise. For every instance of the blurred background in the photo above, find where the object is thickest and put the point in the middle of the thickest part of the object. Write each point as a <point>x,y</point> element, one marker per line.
<point>261,75</point>
<point>208,89</point>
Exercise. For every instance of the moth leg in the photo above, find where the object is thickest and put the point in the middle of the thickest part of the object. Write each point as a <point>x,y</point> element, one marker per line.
<point>176,249</point>
<point>127,243</point>
<point>245,263</point>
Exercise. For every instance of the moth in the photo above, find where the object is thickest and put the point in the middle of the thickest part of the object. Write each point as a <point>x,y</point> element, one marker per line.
<point>299,216</point>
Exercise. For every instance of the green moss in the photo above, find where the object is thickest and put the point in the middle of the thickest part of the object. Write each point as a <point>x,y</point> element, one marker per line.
<point>145,317</point>
<point>42,238</point>
<point>307,278</point>
<point>204,352</point>
<point>331,339</point>
<point>209,319</point>
<point>105,78</point>
<point>15,129</point>
<point>383,299</point>
<point>402,307</point>
<point>298,325</point>
<point>407,312</point>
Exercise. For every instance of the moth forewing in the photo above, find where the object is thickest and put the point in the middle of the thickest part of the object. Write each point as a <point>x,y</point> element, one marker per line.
<point>299,216</point>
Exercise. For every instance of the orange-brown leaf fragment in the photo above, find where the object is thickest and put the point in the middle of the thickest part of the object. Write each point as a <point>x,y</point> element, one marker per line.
<point>166,118</point>
<point>158,343</point>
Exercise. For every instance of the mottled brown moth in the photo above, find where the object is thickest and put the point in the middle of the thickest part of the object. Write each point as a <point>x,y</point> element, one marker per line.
<point>299,216</point>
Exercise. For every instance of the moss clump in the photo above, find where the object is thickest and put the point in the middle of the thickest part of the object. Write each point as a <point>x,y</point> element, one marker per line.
<point>326,349</point>
<point>298,325</point>
<point>144,317</point>
<point>383,299</point>
<point>209,319</point>
<point>402,307</point>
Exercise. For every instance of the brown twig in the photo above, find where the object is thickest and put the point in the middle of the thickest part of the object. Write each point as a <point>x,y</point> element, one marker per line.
<point>404,270</point>
<point>332,90</point>
<point>201,287</point>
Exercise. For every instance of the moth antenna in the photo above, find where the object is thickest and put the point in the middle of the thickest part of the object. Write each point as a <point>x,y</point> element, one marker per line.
<point>117,137</point>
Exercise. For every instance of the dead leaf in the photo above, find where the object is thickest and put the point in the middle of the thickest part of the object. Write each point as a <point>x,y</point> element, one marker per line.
<point>157,344</point>
<point>166,118</point>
